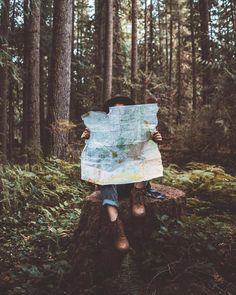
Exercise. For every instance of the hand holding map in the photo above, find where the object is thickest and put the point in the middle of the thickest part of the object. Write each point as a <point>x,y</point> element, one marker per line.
<point>119,149</point>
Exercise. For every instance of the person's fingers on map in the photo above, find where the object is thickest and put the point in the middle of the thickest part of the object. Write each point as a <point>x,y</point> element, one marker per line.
<point>85,134</point>
<point>156,136</point>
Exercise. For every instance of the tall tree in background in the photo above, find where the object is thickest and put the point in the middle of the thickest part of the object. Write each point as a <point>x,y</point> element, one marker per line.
<point>45,58</point>
<point>73,71</point>
<point>194,83</point>
<point>25,75</point>
<point>151,37</point>
<point>11,100</point>
<point>99,45</point>
<point>118,68</point>
<point>134,50</point>
<point>178,70</point>
<point>33,80</point>
<point>107,80</point>
<point>167,55</point>
<point>160,38</point>
<point>146,53</point>
<point>4,79</point>
<point>171,42</point>
<point>166,42</point>
<point>60,78</point>
<point>205,49</point>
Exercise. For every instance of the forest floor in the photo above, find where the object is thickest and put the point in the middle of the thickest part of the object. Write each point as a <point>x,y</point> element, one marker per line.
<point>40,208</point>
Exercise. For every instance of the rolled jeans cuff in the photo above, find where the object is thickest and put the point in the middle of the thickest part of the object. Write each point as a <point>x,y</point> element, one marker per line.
<point>110,202</point>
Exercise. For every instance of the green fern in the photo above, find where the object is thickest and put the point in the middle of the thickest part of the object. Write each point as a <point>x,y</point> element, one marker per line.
<point>44,184</point>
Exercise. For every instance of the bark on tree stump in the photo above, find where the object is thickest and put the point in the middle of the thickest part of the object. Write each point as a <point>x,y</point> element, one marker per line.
<point>97,266</point>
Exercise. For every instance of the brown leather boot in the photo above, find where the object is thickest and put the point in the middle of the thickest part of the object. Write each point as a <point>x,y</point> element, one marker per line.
<point>120,240</point>
<point>137,203</point>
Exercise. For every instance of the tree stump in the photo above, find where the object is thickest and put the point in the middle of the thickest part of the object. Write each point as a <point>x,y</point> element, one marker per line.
<point>98,268</point>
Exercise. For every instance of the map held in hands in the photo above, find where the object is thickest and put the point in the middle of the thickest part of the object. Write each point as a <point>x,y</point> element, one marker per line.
<point>120,149</point>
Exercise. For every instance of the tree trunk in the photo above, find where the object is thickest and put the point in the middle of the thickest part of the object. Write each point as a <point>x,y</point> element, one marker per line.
<point>99,45</point>
<point>97,27</point>
<point>4,79</point>
<point>194,98</point>
<point>178,73</point>
<point>25,126</point>
<point>33,82</point>
<point>45,59</point>
<point>145,78</point>
<point>73,97</point>
<point>42,102</point>
<point>134,53</point>
<point>95,261</point>
<point>151,39</point>
<point>171,43</point>
<point>205,49</point>
<point>11,109</point>
<point>60,78</point>
<point>11,120</point>
<point>107,86</point>
<point>118,63</point>
<point>160,36</point>
<point>167,45</point>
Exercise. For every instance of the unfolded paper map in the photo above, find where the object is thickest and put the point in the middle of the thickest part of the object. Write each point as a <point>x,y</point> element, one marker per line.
<point>119,149</point>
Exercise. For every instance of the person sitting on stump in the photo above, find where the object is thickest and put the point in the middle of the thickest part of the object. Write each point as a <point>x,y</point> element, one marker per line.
<point>110,193</point>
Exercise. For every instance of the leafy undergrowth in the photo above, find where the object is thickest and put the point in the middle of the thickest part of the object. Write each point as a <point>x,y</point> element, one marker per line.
<point>191,256</point>
<point>197,254</point>
<point>40,206</point>
<point>210,183</point>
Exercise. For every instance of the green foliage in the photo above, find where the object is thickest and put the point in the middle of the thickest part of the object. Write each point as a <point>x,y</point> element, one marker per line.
<point>40,205</point>
<point>207,181</point>
<point>47,184</point>
<point>198,251</point>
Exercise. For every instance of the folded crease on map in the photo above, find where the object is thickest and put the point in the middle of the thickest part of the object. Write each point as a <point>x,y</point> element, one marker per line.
<point>119,149</point>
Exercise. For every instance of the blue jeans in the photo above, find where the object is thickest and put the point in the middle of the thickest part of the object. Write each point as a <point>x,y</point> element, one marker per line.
<point>110,193</point>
